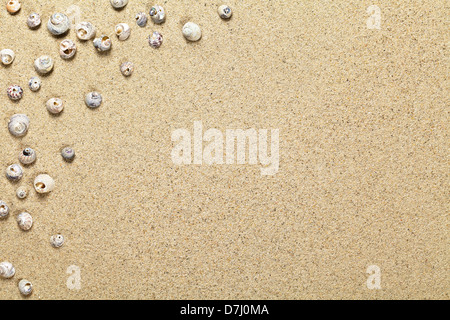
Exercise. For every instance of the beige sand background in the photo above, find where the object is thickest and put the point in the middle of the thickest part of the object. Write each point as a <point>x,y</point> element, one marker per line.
<point>363,179</point>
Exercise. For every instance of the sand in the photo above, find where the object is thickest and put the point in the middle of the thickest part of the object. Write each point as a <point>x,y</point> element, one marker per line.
<point>363,142</point>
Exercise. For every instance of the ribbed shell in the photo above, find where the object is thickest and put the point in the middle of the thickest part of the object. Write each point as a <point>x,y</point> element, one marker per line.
<point>58,24</point>
<point>43,64</point>
<point>34,20</point>
<point>25,221</point>
<point>4,210</point>
<point>123,31</point>
<point>27,156</point>
<point>43,183</point>
<point>85,30</point>
<point>7,270</point>
<point>14,172</point>
<point>157,14</point>
<point>15,92</point>
<point>25,287</point>
<point>18,125</point>
<point>7,56</point>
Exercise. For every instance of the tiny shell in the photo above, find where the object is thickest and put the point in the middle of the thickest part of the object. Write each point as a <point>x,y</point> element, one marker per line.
<point>25,221</point>
<point>7,56</point>
<point>34,84</point>
<point>7,270</point>
<point>43,64</point>
<point>118,4</point>
<point>57,240</point>
<point>141,19</point>
<point>44,183</point>
<point>192,32</point>
<point>93,100</point>
<point>13,6</point>
<point>155,39</point>
<point>68,154</point>
<point>15,92</point>
<point>58,24</point>
<point>55,105</point>
<point>102,43</point>
<point>25,287</point>
<point>127,68</point>
<point>67,49</point>
<point>14,172</point>
<point>4,210</point>
<point>21,193</point>
<point>18,125</point>
<point>123,31</point>
<point>27,156</point>
<point>157,14</point>
<point>225,12</point>
<point>85,30</point>
<point>34,20</point>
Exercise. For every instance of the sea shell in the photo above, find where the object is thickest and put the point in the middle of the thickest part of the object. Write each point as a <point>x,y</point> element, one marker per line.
<point>13,6</point>
<point>22,193</point>
<point>85,30</point>
<point>25,287</point>
<point>127,68</point>
<point>157,14</point>
<point>7,56</point>
<point>14,172</point>
<point>192,31</point>
<point>58,24</point>
<point>68,154</point>
<point>15,92</point>
<point>67,49</point>
<point>155,39</point>
<point>225,12</point>
<point>123,31</point>
<point>43,64</point>
<point>55,105</point>
<point>57,240</point>
<point>18,125</point>
<point>118,4</point>
<point>93,100</point>
<point>25,221</point>
<point>34,84</point>
<point>34,20</point>
<point>7,270</point>
<point>44,183</point>
<point>4,210</point>
<point>27,156</point>
<point>141,19</point>
<point>102,43</point>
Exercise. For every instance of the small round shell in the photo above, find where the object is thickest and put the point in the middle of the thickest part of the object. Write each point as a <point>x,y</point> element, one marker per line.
<point>68,154</point>
<point>102,43</point>
<point>13,6</point>
<point>15,92</point>
<point>192,31</point>
<point>67,49</point>
<point>58,24</point>
<point>25,287</point>
<point>44,183</point>
<point>57,240</point>
<point>34,84</point>
<point>33,20</point>
<point>7,270</point>
<point>141,19</point>
<point>225,12</point>
<point>25,221</point>
<point>157,14</point>
<point>85,30</point>
<point>18,125</point>
<point>155,39</point>
<point>22,193</point>
<point>123,31</point>
<point>118,4</point>
<point>4,210</point>
<point>27,156</point>
<point>93,100</point>
<point>55,105</point>
<point>127,68</point>
<point>14,172</point>
<point>43,64</point>
<point>7,56</point>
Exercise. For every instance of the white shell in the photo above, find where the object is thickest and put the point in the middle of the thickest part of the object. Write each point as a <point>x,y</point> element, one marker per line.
<point>192,31</point>
<point>55,105</point>
<point>34,84</point>
<point>7,56</point>
<point>118,4</point>
<point>18,125</point>
<point>102,43</point>
<point>58,24</point>
<point>33,20</point>
<point>25,287</point>
<point>225,12</point>
<point>27,156</point>
<point>57,240</point>
<point>4,210</point>
<point>155,40</point>
<point>25,221</point>
<point>127,68</point>
<point>157,14</point>
<point>67,49</point>
<point>85,30</point>
<point>44,183</point>
<point>141,19</point>
<point>123,31</point>
<point>14,172</point>
<point>43,64</point>
<point>21,193</point>
<point>7,270</point>
<point>93,100</point>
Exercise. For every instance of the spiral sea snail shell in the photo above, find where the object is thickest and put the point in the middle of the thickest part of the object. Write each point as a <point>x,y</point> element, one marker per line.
<point>67,49</point>
<point>225,12</point>
<point>25,221</point>
<point>13,6</point>
<point>55,105</point>
<point>119,4</point>
<point>27,156</point>
<point>18,125</point>
<point>123,31</point>
<point>68,154</point>
<point>25,287</point>
<point>14,172</point>
<point>85,30</point>
<point>34,84</point>
<point>192,31</point>
<point>4,210</point>
<point>21,193</point>
<point>43,183</point>
<point>58,24</point>
<point>7,56</point>
<point>15,92</point>
<point>93,100</point>
<point>7,270</point>
<point>33,20</point>
<point>155,39</point>
<point>43,64</point>
<point>57,240</point>
<point>127,68</point>
<point>141,19</point>
<point>102,43</point>
<point>157,14</point>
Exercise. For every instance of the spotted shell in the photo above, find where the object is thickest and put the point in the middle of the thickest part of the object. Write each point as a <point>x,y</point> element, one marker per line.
<point>141,19</point>
<point>85,30</point>
<point>34,84</point>
<point>57,240</point>
<point>27,156</point>
<point>67,49</point>
<point>155,39</point>
<point>21,193</point>
<point>192,31</point>
<point>7,270</point>
<point>123,31</point>
<point>58,24</point>
<point>15,92</point>
<point>4,210</point>
<point>13,6</point>
<point>25,287</point>
<point>43,64</point>
<point>18,125</point>
<point>118,4</point>
<point>43,183</point>
<point>25,221</point>
<point>33,20</point>
<point>157,14</point>
<point>102,43</point>
<point>225,12</point>
<point>14,172</point>
<point>68,154</point>
<point>127,68</point>
<point>7,56</point>
<point>93,100</point>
